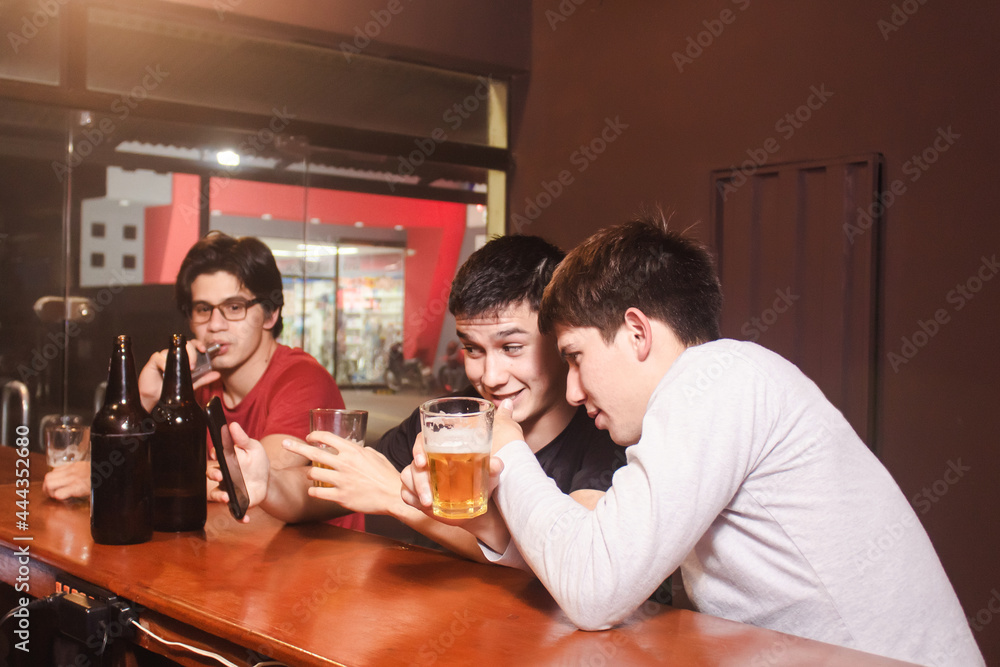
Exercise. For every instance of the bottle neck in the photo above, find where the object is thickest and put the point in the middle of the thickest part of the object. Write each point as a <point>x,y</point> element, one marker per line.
<point>123,385</point>
<point>177,373</point>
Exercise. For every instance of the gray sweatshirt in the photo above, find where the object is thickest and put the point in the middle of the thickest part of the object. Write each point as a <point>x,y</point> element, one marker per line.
<point>751,482</point>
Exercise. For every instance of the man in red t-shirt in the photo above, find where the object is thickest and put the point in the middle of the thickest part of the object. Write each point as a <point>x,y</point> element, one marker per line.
<point>230,291</point>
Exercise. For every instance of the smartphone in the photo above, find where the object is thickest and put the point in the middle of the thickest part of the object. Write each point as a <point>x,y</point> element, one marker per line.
<point>203,362</point>
<point>225,452</point>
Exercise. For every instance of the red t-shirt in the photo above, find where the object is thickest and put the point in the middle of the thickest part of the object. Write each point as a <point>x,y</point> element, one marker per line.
<point>280,402</point>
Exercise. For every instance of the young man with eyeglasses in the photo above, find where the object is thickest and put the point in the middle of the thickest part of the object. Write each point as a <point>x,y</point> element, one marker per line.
<point>230,291</point>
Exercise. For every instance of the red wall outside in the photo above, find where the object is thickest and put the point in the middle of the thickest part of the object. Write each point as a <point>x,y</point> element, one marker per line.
<point>434,238</point>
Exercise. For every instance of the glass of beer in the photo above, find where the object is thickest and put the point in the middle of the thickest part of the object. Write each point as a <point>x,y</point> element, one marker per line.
<point>346,424</point>
<point>457,438</point>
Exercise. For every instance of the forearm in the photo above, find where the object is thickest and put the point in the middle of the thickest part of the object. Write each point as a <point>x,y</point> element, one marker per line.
<point>488,528</point>
<point>288,498</point>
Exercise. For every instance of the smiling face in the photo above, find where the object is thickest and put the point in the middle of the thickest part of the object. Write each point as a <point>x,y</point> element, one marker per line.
<point>241,340</point>
<point>507,357</point>
<point>606,379</point>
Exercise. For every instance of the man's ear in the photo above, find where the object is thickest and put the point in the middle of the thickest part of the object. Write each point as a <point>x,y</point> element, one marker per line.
<point>272,319</point>
<point>639,332</point>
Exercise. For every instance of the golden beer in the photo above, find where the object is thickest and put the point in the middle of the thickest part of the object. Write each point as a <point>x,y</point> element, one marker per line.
<point>347,424</point>
<point>318,483</point>
<point>457,435</point>
<point>459,483</point>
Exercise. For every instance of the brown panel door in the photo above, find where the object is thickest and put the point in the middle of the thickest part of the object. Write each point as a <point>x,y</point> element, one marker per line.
<point>798,253</point>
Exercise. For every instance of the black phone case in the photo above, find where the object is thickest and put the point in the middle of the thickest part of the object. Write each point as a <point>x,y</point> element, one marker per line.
<point>232,476</point>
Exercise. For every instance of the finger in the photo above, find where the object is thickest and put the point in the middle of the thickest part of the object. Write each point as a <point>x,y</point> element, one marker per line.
<point>506,408</point>
<point>324,493</point>
<point>240,437</point>
<point>419,458</point>
<point>206,379</point>
<point>418,483</point>
<point>496,466</point>
<point>330,440</point>
<point>219,496</point>
<point>194,346</point>
<point>324,455</point>
<point>321,475</point>
<point>406,491</point>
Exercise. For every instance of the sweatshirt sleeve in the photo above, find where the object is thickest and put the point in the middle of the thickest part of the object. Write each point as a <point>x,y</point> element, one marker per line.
<point>600,565</point>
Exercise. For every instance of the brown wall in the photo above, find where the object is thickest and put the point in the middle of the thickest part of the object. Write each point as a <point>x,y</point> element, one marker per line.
<point>938,70</point>
<point>890,91</point>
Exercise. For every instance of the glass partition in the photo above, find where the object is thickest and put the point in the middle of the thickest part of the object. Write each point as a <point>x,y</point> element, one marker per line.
<point>103,192</point>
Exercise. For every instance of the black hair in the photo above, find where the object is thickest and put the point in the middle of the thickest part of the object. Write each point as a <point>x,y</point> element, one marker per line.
<point>247,258</point>
<point>504,272</point>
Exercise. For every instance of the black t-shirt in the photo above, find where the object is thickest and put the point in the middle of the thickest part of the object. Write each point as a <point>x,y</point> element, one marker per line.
<point>581,457</point>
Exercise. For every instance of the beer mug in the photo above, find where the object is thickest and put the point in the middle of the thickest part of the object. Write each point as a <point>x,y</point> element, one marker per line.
<point>347,424</point>
<point>457,439</point>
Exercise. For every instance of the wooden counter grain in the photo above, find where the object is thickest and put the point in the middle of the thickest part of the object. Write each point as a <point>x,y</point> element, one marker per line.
<point>319,595</point>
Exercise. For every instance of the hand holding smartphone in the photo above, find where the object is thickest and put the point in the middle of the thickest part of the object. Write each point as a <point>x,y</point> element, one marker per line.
<point>229,465</point>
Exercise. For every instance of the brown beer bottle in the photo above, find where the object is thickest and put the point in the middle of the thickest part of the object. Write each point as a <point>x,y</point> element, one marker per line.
<point>178,448</point>
<point>121,488</point>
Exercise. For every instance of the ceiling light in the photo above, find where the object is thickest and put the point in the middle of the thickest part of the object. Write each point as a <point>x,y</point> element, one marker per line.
<point>228,158</point>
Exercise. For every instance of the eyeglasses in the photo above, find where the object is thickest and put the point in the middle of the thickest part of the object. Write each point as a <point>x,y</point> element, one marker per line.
<point>233,310</point>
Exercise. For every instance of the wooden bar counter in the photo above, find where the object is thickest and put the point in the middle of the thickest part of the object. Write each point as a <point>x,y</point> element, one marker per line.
<point>318,595</point>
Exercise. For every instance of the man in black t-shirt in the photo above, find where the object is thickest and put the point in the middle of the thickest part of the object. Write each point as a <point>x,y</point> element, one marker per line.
<point>495,299</point>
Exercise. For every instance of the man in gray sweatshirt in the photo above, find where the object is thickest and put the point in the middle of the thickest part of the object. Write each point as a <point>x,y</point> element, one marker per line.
<point>739,472</point>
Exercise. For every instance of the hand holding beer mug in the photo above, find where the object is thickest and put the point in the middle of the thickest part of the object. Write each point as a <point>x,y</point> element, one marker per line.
<point>347,424</point>
<point>457,438</point>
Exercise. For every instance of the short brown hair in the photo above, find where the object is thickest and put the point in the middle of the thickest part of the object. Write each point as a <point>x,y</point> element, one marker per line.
<point>639,264</point>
